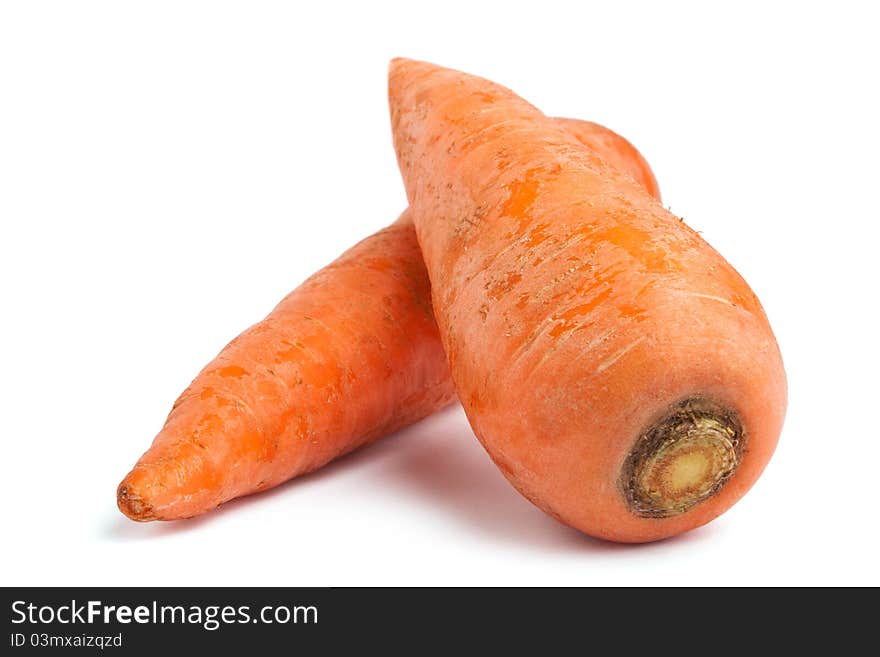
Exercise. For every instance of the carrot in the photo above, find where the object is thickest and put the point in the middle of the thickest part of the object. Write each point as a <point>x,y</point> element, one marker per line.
<point>616,368</point>
<point>616,151</point>
<point>351,355</point>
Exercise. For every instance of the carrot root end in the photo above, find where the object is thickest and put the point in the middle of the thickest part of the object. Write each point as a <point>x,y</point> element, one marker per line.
<point>683,458</point>
<point>131,504</point>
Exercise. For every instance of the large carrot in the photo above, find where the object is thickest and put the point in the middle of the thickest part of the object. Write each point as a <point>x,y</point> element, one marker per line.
<point>349,356</point>
<point>617,369</point>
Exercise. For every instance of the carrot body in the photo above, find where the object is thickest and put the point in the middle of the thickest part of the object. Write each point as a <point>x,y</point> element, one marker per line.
<point>351,355</point>
<point>616,368</point>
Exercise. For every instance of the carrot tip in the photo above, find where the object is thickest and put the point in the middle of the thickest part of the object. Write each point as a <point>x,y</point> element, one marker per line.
<point>132,505</point>
<point>683,458</point>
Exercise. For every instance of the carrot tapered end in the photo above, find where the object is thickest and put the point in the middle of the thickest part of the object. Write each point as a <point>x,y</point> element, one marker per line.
<point>132,504</point>
<point>402,70</point>
<point>398,62</point>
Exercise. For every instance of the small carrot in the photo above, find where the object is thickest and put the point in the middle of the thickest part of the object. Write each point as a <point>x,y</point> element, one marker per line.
<point>616,368</point>
<point>615,150</point>
<point>351,355</point>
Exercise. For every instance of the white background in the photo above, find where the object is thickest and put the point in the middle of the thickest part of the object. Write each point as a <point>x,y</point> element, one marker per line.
<point>169,170</point>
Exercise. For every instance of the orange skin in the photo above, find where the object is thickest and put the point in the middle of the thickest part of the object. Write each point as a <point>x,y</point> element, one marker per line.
<point>573,307</point>
<point>615,150</point>
<point>351,355</point>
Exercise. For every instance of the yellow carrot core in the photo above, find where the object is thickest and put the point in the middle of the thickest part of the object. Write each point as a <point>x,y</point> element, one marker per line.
<point>682,459</point>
